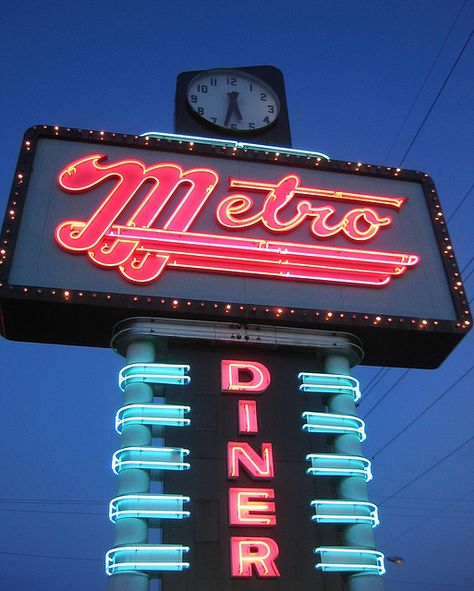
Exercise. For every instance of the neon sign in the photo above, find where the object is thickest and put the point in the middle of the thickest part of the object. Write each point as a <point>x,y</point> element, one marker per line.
<point>250,506</point>
<point>143,246</point>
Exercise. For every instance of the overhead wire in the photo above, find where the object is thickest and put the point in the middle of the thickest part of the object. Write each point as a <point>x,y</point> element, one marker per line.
<point>460,204</point>
<point>427,470</point>
<point>427,518</point>
<point>435,100</point>
<point>425,80</point>
<point>56,557</point>
<point>392,387</point>
<point>423,412</point>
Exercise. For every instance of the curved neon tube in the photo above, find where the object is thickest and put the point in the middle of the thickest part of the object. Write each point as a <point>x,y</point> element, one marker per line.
<point>154,373</point>
<point>148,507</point>
<point>339,465</point>
<point>337,559</point>
<point>332,511</point>
<point>320,422</point>
<point>150,458</point>
<point>323,383</point>
<point>145,558</point>
<point>164,415</point>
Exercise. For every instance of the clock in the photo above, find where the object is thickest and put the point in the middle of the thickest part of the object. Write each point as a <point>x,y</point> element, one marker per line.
<point>243,104</point>
<point>233,99</point>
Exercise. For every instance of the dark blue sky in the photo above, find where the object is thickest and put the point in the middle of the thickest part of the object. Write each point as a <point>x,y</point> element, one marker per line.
<point>353,71</point>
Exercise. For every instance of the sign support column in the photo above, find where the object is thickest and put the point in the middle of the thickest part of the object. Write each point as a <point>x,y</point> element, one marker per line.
<point>351,488</point>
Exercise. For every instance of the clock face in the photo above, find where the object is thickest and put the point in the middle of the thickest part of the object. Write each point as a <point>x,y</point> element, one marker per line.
<point>232,99</point>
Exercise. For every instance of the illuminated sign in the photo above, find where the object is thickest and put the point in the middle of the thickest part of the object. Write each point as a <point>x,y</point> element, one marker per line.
<point>107,226</point>
<point>141,253</point>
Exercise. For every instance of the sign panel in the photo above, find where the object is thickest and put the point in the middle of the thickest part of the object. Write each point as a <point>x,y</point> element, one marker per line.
<point>102,226</point>
<point>252,523</point>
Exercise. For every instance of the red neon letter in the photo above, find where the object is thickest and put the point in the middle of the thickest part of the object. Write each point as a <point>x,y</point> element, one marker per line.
<point>233,374</point>
<point>256,466</point>
<point>248,417</point>
<point>252,507</point>
<point>260,553</point>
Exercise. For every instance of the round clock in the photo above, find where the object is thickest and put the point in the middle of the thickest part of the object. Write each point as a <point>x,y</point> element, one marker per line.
<point>233,99</point>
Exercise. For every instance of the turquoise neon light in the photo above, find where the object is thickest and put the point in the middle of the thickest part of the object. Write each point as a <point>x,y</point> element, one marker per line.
<point>330,511</point>
<point>163,415</point>
<point>154,373</point>
<point>336,559</point>
<point>339,465</point>
<point>277,150</point>
<point>150,458</point>
<point>148,507</point>
<point>145,558</point>
<point>324,383</point>
<point>322,422</point>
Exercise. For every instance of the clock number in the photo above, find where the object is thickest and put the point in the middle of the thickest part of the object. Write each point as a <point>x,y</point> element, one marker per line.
<point>194,98</point>
<point>213,81</point>
<point>214,119</point>
<point>202,88</point>
<point>251,125</point>
<point>263,96</point>
<point>266,120</point>
<point>270,108</point>
<point>200,111</point>
<point>250,87</point>
<point>231,81</point>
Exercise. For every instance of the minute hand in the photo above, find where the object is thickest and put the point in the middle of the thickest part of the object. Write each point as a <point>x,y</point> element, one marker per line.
<point>233,107</point>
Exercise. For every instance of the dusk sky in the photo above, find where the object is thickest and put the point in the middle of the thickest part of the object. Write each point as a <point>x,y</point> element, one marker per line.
<point>387,82</point>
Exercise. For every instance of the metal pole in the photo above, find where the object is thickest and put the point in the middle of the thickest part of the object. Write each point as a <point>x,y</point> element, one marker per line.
<point>351,488</point>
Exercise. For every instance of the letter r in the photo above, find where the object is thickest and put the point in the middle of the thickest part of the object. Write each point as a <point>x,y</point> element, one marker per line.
<point>259,553</point>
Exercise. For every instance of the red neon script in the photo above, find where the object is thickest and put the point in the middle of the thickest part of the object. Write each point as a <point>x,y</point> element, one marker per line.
<point>141,245</point>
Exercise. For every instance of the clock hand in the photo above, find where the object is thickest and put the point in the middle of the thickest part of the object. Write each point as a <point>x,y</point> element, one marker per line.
<point>232,107</point>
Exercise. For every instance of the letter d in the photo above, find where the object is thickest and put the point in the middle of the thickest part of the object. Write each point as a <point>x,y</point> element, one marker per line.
<point>244,376</point>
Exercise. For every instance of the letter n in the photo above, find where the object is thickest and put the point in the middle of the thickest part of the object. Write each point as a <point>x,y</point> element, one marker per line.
<point>257,466</point>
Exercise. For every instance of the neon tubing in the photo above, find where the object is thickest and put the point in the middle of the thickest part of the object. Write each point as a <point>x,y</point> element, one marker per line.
<point>277,150</point>
<point>163,415</point>
<point>148,507</point>
<point>336,559</point>
<point>323,383</point>
<point>331,511</point>
<point>339,465</point>
<point>154,373</point>
<point>150,458</point>
<point>322,422</point>
<point>396,202</point>
<point>164,557</point>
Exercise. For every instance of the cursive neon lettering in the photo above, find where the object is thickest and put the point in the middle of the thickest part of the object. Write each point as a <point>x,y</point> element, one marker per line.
<point>143,245</point>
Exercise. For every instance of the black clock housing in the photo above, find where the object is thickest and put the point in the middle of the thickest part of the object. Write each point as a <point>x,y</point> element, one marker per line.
<point>188,123</point>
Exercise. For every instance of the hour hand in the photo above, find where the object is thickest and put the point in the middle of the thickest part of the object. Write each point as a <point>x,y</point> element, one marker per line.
<point>232,107</point>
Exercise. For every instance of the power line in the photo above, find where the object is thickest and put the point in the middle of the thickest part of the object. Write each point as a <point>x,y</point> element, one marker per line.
<point>375,381</point>
<point>458,206</point>
<point>51,556</point>
<point>434,465</point>
<point>54,501</point>
<point>420,127</point>
<point>50,512</point>
<point>468,275</point>
<point>419,415</point>
<point>467,264</point>
<point>425,519</point>
<point>407,371</point>
<point>415,100</point>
